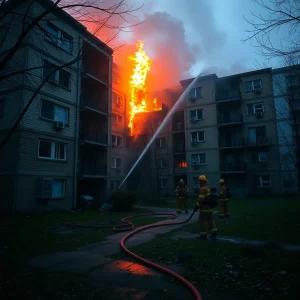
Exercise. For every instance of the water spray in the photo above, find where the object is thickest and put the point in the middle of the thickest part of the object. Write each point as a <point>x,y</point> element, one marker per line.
<point>159,129</point>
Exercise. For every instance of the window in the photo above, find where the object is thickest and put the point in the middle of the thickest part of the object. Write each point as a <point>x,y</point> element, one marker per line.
<point>196,114</point>
<point>163,183</point>
<point>115,163</point>
<point>257,135</point>
<point>253,108</point>
<point>196,184</point>
<point>196,92</point>
<point>197,137</point>
<point>262,181</point>
<point>114,184</point>
<point>59,37</point>
<point>52,150</point>
<point>161,142</point>
<point>259,156</point>
<point>115,77</point>
<point>116,119</point>
<point>161,163</point>
<point>1,108</point>
<point>199,159</point>
<point>116,140</point>
<point>54,112</point>
<point>252,85</point>
<point>60,77</point>
<point>58,188</point>
<point>116,99</point>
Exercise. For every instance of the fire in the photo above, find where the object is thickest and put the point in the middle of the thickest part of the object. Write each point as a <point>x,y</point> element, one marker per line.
<point>138,88</point>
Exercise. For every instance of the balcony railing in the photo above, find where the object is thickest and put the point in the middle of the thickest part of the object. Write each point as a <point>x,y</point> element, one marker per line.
<point>98,104</point>
<point>93,136</point>
<point>258,141</point>
<point>233,167</point>
<point>228,95</point>
<point>92,169</point>
<point>233,143</point>
<point>230,118</point>
<point>180,170</point>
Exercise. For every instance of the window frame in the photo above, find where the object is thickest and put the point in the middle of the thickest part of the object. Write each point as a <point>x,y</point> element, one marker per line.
<point>162,186</point>
<point>53,146</point>
<point>117,137</point>
<point>118,99</point>
<point>254,108</point>
<point>252,84</point>
<point>54,105</point>
<point>115,166</point>
<point>56,75</point>
<point>161,163</point>
<point>262,182</point>
<point>258,157</point>
<point>198,158</point>
<point>195,94</point>
<point>119,119</point>
<point>116,184</point>
<point>60,40</point>
<point>160,143</point>
<point>196,179</point>
<point>63,188</point>
<point>197,140</point>
<point>196,112</point>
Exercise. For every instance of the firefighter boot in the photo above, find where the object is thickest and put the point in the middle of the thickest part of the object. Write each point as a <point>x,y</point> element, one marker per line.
<point>213,235</point>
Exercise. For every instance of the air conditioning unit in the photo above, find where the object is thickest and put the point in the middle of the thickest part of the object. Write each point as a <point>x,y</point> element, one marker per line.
<point>59,125</point>
<point>193,120</point>
<point>259,113</point>
<point>257,90</point>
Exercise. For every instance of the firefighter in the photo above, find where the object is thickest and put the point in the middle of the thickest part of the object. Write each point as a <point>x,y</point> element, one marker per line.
<point>223,200</point>
<point>206,210</point>
<point>181,194</point>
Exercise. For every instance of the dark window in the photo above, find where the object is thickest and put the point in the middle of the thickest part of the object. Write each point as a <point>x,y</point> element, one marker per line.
<point>47,110</point>
<point>196,92</point>
<point>61,77</point>
<point>161,142</point>
<point>54,112</point>
<point>45,149</point>
<point>49,68</point>
<point>64,78</point>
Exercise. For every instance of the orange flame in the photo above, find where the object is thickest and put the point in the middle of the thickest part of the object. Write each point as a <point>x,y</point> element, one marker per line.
<point>138,89</point>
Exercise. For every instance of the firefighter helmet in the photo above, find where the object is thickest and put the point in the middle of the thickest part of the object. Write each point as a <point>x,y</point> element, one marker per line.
<point>181,181</point>
<point>202,178</point>
<point>222,181</point>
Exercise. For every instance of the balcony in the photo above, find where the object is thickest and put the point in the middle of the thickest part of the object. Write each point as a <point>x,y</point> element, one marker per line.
<point>178,148</point>
<point>233,168</point>
<point>226,143</point>
<point>97,106</point>
<point>93,137</point>
<point>228,95</point>
<point>259,141</point>
<point>93,170</point>
<point>230,118</point>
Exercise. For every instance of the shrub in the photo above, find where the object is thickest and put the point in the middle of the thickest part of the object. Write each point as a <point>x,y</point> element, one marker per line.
<point>123,200</point>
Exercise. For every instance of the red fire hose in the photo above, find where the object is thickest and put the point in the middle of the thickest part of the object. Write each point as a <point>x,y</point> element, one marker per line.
<point>129,225</point>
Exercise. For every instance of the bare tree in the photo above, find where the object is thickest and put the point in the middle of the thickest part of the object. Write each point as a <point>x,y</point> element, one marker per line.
<point>19,21</point>
<point>287,107</point>
<point>275,29</point>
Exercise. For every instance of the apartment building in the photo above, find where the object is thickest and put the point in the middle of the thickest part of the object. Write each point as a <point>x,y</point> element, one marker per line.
<point>227,129</point>
<point>60,149</point>
<point>286,87</point>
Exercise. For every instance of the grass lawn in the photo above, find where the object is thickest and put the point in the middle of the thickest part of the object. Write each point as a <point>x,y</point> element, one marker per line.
<point>261,219</point>
<point>245,272</point>
<point>29,235</point>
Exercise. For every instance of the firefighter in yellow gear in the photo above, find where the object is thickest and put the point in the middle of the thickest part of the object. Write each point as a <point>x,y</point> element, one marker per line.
<point>223,200</point>
<point>181,194</point>
<point>206,211</point>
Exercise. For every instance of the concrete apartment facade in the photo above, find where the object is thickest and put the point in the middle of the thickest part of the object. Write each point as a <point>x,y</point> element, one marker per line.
<point>61,147</point>
<point>226,129</point>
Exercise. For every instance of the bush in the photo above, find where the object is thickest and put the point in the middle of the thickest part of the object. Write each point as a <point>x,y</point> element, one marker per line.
<point>123,200</point>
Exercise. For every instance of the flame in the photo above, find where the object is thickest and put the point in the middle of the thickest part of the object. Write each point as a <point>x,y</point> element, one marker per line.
<point>138,89</point>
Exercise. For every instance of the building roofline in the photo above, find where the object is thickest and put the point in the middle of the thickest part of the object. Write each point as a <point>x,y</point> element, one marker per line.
<point>64,14</point>
<point>250,73</point>
<point>284,69</point>
<point>185,82</point>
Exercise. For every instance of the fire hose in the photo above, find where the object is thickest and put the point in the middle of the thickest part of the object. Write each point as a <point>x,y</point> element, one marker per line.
<point>128,225</point>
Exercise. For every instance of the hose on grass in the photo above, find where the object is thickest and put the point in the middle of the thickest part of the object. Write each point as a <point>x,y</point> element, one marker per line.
<point>128,225</point>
